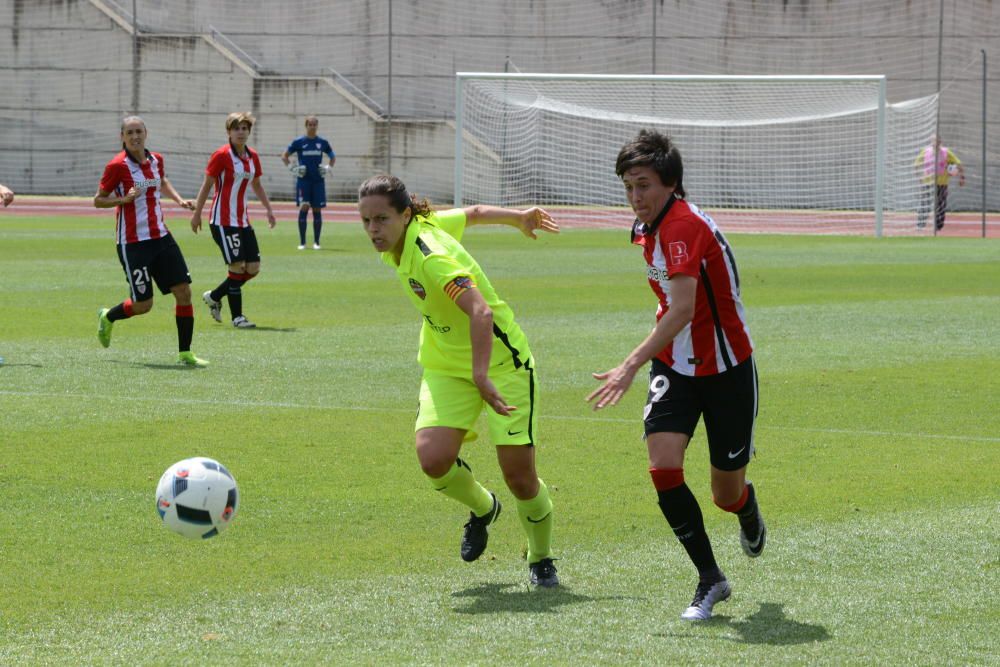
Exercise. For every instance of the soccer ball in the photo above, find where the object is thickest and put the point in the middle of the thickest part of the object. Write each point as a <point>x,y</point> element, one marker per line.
<point>197,497</point>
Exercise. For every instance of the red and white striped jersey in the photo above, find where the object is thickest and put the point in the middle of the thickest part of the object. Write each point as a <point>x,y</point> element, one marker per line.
<point>141,219</point>
<point>233,175</point>
<point>687,241</point>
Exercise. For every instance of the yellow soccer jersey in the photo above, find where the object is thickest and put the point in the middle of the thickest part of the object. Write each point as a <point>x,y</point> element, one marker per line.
<point>435,270</point>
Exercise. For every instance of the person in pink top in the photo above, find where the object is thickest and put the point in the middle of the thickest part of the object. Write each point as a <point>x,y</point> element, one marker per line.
<point>701,356</point>
<point>934,176</point>
<point>131,184</point>
<point>234,169</point>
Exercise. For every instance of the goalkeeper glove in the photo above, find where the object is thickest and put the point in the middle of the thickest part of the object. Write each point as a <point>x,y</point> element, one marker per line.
<point>324,170</point>
<point>297,169</point>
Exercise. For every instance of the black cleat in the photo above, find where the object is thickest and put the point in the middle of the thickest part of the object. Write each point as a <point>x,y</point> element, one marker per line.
<point>753,532</point>
<point>476,532</point>
<point>543,574</point>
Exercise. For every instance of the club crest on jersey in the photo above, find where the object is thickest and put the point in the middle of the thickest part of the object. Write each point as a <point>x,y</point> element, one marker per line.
<point>418,289</point>
<point>141,287</point>
<point>678,252</point>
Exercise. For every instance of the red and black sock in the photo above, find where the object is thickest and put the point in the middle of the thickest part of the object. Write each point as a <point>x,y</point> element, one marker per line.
<point>745,510</point>
<point>232,287</point>
<point>681,510</point>
<point>232,279</point>
<point>185,326</point>
<point>122,311</point>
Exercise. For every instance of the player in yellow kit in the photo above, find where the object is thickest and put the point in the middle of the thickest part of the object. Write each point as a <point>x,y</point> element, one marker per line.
<point>473,354</point>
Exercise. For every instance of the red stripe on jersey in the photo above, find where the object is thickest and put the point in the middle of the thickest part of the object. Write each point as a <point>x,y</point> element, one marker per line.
<point>242,219</point>
<point>152,201</point>
<point>687,242</point>
<point>220,206</point>
<point>129,216</point>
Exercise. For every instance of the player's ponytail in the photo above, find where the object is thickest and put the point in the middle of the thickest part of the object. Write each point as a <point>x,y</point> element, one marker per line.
<point>394,190</point>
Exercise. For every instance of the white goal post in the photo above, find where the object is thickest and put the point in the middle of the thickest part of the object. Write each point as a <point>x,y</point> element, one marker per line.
<point>769,153</point>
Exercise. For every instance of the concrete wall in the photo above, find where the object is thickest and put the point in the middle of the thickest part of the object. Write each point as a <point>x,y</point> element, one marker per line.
<point>66,72</point>
<point>61,108</point>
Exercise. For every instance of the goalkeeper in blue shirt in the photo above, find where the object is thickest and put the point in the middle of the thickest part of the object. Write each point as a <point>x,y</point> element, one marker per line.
<point>310,172</point>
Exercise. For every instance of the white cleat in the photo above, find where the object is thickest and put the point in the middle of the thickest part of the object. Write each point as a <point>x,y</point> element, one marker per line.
<point>243,323</point>
<point>315,246</point>
<point>302,247</point>
<point>705,597</point>
<point>214,307</point>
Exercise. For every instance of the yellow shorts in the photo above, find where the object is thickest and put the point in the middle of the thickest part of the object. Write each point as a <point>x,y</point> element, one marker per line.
<point>447,400</point>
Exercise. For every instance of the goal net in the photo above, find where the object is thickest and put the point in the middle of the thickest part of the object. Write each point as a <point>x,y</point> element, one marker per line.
<point>761,153</point>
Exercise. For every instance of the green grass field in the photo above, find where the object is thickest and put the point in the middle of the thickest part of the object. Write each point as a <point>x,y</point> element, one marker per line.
<point>876,467</point>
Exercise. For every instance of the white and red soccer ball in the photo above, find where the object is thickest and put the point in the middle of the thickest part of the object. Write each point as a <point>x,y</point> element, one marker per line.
<point>197,498</point>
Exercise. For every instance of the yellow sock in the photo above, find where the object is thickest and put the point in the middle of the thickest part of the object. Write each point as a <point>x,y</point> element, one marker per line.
<point>459,483</point>
<point>536,518</point>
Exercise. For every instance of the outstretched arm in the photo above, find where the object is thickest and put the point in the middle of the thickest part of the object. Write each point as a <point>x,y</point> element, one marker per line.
<point>528,221</point>
<point>617,381</point>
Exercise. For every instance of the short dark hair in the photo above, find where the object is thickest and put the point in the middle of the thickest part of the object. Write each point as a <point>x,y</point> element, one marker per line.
<point>394,190</point>
<point>653,149</point>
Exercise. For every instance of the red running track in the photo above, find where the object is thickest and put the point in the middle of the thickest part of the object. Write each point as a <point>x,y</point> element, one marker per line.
<point>965,225</point>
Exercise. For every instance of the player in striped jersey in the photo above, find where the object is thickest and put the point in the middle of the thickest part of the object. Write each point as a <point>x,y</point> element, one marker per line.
<point>233,169</point>
<point>132,183</point>
<point>702,363</point>
<point>474,355</point>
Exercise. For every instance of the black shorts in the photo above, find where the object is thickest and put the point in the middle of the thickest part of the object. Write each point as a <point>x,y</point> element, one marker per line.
<point>157,259</point>
<point>240,244</point>
<point>727,402</point>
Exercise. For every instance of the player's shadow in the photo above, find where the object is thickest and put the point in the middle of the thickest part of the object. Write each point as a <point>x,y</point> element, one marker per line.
<point>7,363</point>
<point>155,367</point>
<point>163,367</point>
<point>275,329</point>
<point>769,625</point>
<point>505,598</point>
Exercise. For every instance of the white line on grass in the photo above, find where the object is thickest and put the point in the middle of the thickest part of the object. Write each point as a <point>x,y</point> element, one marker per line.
<point>583,418</point>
